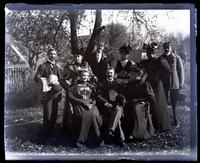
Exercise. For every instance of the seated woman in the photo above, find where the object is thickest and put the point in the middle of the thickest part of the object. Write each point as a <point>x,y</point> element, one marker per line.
<point>122,68</point>
<point>137,114</point>
<point>86,118</point>
<point>111,104</point>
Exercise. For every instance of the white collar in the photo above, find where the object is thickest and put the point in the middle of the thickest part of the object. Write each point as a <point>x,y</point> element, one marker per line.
<point>51,62</point>
<point>123,63</point>
<point>110,80</point>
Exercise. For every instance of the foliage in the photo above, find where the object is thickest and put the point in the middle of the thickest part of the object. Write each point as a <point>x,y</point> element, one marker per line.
<point>33,30</point>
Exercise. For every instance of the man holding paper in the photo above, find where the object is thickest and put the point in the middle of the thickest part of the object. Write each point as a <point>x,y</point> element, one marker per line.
<point>48,74</point>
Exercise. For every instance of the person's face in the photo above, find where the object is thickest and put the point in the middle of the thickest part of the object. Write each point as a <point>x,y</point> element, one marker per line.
<point>136,75</point>
<point>168,49</point>
<point>78,58</point>
<point>110,74</point>
<point>99,53</point>
<point>52,55</point>
<point>150,55</point>
<point>84,76</point>
<point>124,55</point>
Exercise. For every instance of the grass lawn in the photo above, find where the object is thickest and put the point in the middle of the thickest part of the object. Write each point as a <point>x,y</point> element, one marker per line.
<point>23,139</point>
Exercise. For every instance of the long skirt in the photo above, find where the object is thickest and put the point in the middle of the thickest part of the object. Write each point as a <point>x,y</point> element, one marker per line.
<point>159,110</point>
<point>87,125</point>
<point>140,122</point>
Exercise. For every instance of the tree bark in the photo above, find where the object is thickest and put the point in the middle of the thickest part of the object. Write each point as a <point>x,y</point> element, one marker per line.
<point>73,17</point>
<point>95,35</point>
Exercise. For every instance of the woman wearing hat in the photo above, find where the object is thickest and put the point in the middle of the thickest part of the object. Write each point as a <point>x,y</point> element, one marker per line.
<point>140,96</point>
<point>69,76</point>
<point>86,118</point>
<point>153,66</point>
<point>123,66</point>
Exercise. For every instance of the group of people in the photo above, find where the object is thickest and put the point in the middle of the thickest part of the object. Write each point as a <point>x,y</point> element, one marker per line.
<point>113,103</point>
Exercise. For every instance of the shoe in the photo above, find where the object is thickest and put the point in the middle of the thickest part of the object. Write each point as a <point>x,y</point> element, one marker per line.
<point>175,124</point>
<point>102,144</point>
<point>80,145</point>
<point>122,144</point>
<point>110,133</point>
<point>131,137</point>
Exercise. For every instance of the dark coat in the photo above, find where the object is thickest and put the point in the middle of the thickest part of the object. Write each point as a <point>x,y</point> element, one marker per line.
<point>45,70</point>
<point>108,92</point>
<point>51,98</point>
<point>99,69</point>
<point>159,111</point>
<point>174,78</point>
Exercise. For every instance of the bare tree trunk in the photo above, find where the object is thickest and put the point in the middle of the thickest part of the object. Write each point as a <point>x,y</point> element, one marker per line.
<point>73,17</point>
<point>95,35</point>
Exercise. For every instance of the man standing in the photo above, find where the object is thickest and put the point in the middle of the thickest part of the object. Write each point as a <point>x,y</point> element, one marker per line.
<point>48,73</point>
<point>98,62</point>
<point>173,81</point>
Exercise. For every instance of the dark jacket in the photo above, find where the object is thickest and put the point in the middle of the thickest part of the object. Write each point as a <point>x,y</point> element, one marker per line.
<point>45,70</point>
<point>99,69</point>
<point>176,77</point>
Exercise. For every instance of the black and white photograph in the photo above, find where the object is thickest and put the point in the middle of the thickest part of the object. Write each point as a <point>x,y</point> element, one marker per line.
<point>100,82</point>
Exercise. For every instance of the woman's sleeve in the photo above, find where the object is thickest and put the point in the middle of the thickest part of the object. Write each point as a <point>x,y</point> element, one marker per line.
<point>149,93</point>
<point>74,99</point>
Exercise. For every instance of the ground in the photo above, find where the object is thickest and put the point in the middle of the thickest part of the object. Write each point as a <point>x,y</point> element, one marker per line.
<point>23,137</point>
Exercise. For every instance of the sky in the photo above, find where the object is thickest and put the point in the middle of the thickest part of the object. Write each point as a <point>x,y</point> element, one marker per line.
<point>172,21</point>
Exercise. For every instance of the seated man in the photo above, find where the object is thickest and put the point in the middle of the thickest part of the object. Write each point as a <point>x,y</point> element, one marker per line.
<point>111,106</point>
<point>86,118</point>
<point>140,96</point>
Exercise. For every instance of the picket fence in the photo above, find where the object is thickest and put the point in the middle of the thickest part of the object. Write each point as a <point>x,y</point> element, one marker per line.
<point>15,78</point>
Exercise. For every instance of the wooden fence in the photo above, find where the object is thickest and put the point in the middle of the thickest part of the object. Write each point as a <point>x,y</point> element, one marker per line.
<point>15,77</point>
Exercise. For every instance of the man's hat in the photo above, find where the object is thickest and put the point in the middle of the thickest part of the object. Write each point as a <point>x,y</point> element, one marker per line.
<point>79,52</point>
<point>166,44</point>
<point>125,48</point>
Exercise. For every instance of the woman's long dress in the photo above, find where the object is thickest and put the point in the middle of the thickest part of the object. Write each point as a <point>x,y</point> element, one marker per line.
<point>159,110</point>
<point>87,122</point>
<point>138,117</point>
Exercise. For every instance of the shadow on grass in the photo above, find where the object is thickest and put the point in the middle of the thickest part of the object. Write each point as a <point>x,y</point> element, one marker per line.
<point>34,133</point>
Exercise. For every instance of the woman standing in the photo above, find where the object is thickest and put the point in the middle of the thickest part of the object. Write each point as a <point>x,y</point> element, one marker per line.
<point>159,110</point>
